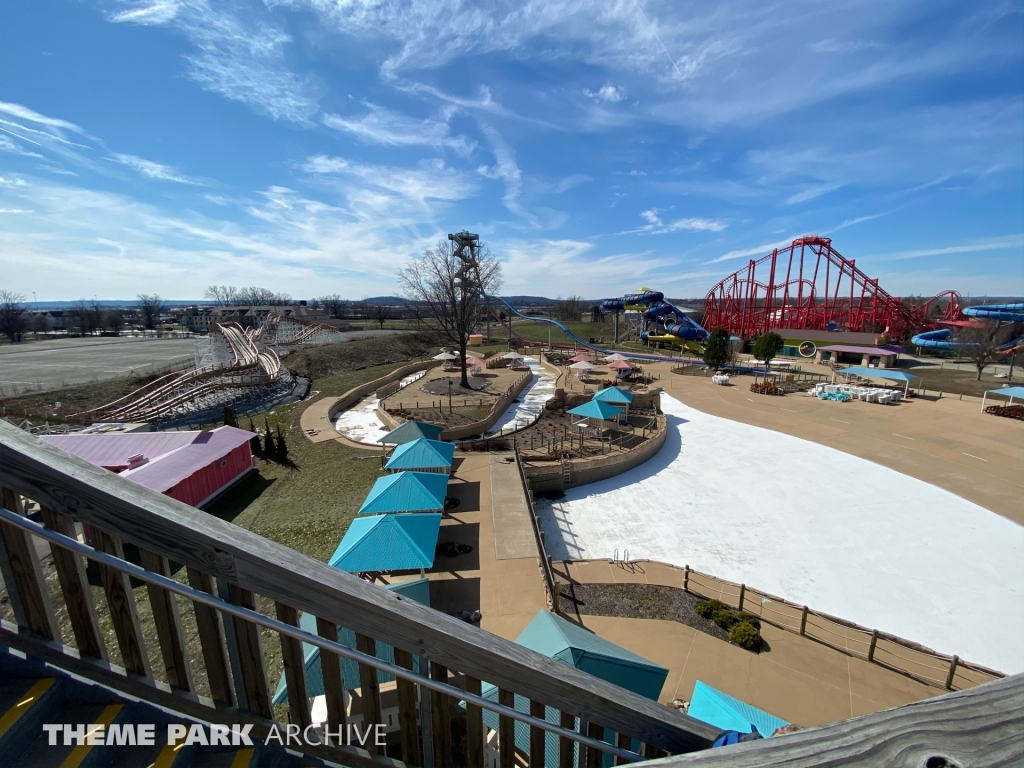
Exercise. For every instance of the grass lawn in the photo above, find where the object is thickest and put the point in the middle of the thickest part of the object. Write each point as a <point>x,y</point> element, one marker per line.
<point>935,378</point>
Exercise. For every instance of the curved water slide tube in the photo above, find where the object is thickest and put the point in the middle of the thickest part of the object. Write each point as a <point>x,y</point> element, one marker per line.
<point>943,338</point>
<point>587,345</point>
<point>682,327</point>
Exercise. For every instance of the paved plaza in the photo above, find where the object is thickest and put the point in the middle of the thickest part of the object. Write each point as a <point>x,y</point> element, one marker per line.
<point>55,363</point>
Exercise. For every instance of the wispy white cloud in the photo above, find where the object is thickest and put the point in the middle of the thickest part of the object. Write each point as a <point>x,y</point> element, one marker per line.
<point>30,115</point>
<point>655,225</point>
<point>379,125</point>
<point>573,180</point>
<point>506,169</point>
<point>812,192</point>
<point>238,55</point>
<point>155,13</point>
<point>757,250</point>
<point>151,169</point>
<point>6,145</point>
<point>1004,243</point>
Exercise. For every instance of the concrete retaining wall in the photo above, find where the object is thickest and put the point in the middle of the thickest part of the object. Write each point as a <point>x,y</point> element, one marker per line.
<point>549,478</point>
<point>356,394</point>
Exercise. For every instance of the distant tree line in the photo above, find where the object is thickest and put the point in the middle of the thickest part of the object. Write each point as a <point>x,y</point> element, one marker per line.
<point>84,318</point>
<point>251,296</point>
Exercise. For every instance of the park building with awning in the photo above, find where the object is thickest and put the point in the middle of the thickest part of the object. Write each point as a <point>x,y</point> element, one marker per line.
<point>422,455</point>
<point>388,543</point>
<point>406,492</point>
<point>559,639</point>
<point>880,373</point>
<point>1010,392</point>
<point>408,431</point>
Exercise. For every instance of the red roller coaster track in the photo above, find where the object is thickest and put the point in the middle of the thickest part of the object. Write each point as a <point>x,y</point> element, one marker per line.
<point>811,286</point>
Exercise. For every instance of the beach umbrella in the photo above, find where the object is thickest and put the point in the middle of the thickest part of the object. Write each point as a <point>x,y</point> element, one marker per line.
<point>614,357</point>
<point>621,365</point>
<point>582,365</point>
<point>446,356</point>
<point>513,356</point>
<point>579,359</point>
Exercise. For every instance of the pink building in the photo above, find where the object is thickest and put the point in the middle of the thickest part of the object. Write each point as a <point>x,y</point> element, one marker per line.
<point>193,467</point>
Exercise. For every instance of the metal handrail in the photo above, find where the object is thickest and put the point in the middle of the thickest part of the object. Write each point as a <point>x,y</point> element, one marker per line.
<point>257,618</point>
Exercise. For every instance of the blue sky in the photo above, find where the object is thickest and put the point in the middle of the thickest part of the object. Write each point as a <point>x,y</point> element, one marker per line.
<point>312,146</point>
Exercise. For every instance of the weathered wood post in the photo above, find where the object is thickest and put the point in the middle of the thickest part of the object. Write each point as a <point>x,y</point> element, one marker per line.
<point>743,592</point>
<point>686,578</point>
<point>952,671</point>
<point>803,622</point>
<point>874,642</point>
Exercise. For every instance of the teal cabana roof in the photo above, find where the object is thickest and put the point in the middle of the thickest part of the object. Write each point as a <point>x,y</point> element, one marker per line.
<point>388,543</point>
<point>878,373</point>
<point>728,713</point>
<point>597,409</point>
<point>409,431</point>
<point>615,396</point>
<point>560,639</point>
<point>406,492</point>
<point>418,590</point>
<point>1007,391</point>
<point>422,454</point>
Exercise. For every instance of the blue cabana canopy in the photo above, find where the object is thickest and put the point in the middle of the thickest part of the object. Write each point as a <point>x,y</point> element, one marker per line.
<point>423,455</point>
<point>597,409</point>
<point>1007,391</point>
<point>406,492</point>
<point>559,639</point>
<point>409,431</point>
<point>728,713</point>
<point>418,590</point>
<point>878,373</point>
<point>615,396</point>
<point>388,543</point>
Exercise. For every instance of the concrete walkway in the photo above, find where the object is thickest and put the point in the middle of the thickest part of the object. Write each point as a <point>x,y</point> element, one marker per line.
<point>508,590</point>
<point>798,679</point>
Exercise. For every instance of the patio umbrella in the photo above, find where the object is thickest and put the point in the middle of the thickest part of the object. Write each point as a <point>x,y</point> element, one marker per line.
<point>513,356</point>
<point>621,365</point>
<point>582,365</point>
<point>579,359</point>
<point>615,357</point>
<point>446,356</point>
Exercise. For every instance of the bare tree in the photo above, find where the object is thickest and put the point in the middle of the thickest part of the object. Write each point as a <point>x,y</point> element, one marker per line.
<point>980,343</point>
<point>150,307</point>
<point>224,295</point>
<point>86,316</point>
<point>569,309</point>
<point>13,318</point>
<point>114,321</point>
<point>332,304</point>
<point>381,313</point>
<point>254,296</point>
<point>41,323</point>
<point>452,291</point>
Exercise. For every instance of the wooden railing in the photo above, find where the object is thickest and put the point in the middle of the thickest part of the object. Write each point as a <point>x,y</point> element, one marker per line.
<point>192,639</point>
<point>550,585</point>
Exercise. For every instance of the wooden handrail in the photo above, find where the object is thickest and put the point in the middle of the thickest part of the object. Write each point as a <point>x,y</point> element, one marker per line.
<point>248,562</point>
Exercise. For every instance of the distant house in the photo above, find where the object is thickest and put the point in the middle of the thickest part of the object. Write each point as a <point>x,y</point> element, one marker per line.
<point>193,467</point>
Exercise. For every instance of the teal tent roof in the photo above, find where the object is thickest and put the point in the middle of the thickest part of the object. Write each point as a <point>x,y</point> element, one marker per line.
<point>597,409</point>
<point>878,373</point>
<point>1008,391</point>
<point>615,396</point>
<point>388,543</point>
<point>730,714</point>
<point>409,431</point>
<point>420,454</point>
<point>406,492</point>
<point>560,639</point>
<point>418,590</point>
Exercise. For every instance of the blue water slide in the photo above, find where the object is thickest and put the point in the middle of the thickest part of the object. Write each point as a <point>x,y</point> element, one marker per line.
<point>683,327</point>
<point>1008,313</point>
<point>941,339</point>
<point>587,345</point>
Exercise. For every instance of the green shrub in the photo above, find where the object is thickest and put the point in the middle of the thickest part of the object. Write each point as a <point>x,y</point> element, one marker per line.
<point>743,617</point>
<point>724,618</point>
<point>717,605</point>
<point>745,635</point>
<point>703,609</point>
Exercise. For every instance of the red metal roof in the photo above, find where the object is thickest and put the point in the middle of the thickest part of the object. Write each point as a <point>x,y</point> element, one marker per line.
<point>859,350</point>
<point>171,456</point>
